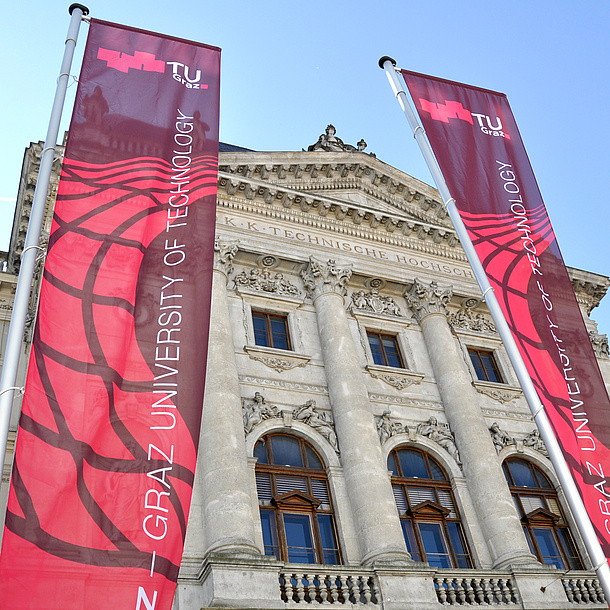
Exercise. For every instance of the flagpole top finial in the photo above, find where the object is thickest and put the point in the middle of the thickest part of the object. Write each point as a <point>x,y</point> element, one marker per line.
<point>384,59</point>
<point>82,7</point>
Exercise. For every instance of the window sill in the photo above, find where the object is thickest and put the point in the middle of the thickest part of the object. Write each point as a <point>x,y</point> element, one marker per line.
<point>502,392</point>
<point>279,360</point>
<point>394,376</point>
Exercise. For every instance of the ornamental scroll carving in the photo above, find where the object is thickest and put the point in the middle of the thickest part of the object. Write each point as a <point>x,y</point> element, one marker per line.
<point>374,302</point>
<point>465,319</point>
<point>257,410</point>
<point>264,280</point>
<point>441,435</point>
<point>600,344</point>
<point>387,427</point>
<point>319,421</point>
<point>224,252</point>
<point>426,299</point>
<point>320,278</point>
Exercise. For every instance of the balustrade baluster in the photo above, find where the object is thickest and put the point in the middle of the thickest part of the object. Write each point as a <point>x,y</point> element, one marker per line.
<point>478,591</point>
<point>601,598</point>
<point>334,592</point>
<point>376,592</point>
<point>300,587</point>
<point>324,586</point>
<point>469,590</point>
<point>459,590</point>
<point>577,592</point>
<point>489,591</point>
<point>568,590</point>
<point>366,590</point>
<point>451,591</point>
<point>345,593</point>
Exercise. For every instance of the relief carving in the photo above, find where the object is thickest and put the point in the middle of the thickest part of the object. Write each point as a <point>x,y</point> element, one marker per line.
<point>224,252</point>
<point>264,280</point>
<point>500,438</point>
<point>257,411</point>
<point>374,302</point>
<point>441,435</point>
<point>319,421</point>
<point>400,382</point>
<point>600,344</point>
<point>386,427</point>
<point>465,319</point>
<point>534,441</point>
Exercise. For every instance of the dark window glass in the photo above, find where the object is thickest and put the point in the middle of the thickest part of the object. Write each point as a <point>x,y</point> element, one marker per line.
<point>286,451</point>
<point>543,521</point>
<point>270,533</point>
<point>271,330</point>
<point>384,349</point>
<point>295,501</point>
<point>485,365</point>
<point>428,515</point>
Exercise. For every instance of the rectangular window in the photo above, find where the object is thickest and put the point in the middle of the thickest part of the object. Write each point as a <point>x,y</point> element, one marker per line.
<point>485,365</point>
<point>271,330</point>
<point>299,541</point>
<point>384,349</point>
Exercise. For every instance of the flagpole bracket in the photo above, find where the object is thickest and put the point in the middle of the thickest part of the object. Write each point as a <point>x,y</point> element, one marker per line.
<point>384,59</point>
<point>486,291</point>
<point>82,7</point>
<point>19,389</point>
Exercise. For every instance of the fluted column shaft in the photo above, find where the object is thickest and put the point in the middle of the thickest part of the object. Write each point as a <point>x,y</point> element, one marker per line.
<point>366,475</point>
<point>227,503</point>
<point>483,472</point>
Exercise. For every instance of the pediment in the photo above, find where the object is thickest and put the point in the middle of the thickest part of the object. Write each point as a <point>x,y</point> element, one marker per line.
<point>541,516</point>
<point>429,508</point>
<point>343,179</point>
<point>296,499</point>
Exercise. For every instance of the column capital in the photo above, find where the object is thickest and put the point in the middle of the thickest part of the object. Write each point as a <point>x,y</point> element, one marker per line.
<point>425,299</point>
<point>323,277</point>
<point>224,252</point>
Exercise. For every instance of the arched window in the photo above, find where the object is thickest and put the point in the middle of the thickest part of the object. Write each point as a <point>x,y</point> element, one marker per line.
<point>543,521</point>
<point>428,514</point>
<point>295,503</point>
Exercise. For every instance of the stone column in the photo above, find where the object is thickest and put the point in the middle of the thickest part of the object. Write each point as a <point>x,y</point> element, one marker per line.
<point>483,472</point>
<point>366,474</point>
<point>227,502</point>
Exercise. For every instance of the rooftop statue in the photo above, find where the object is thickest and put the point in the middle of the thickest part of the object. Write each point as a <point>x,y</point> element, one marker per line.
<point>330,142</point>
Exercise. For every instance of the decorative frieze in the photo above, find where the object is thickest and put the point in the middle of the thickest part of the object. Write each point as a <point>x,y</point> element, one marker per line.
<point>441,435</point>
<point>256,410</point>
<point>263,280</point>
<point>318,420</point>
<point>501,394</point>
<point>426,299</point>
<point>323,277</point>
<point>374,302</point>
<point>400,379</point>
<point>466,319</point>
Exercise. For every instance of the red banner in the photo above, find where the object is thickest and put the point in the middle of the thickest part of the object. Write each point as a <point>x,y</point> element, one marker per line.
<point>480,152</point>
<point>107,443</point>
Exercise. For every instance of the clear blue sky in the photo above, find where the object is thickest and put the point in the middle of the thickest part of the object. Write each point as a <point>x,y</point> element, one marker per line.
<point>289,69</point>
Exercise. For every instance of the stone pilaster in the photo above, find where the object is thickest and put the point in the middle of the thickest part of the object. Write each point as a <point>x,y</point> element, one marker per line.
<point>492,500</point>
<point>227,503</point>
<point>366,477</point>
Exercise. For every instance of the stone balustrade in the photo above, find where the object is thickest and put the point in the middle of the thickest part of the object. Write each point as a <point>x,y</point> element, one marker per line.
<point>337,586</point>
<point>476,590</point>
<point>583,590</point>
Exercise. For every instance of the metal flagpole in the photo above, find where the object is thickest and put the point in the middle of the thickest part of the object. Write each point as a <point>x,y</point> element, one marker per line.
<point>29,254</point>
<point>539,415</point>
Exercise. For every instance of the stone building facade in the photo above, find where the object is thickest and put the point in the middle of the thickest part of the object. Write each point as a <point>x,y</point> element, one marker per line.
<point>364,440</point>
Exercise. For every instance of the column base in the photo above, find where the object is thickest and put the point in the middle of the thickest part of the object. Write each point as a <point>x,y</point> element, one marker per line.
<point>387,559</point>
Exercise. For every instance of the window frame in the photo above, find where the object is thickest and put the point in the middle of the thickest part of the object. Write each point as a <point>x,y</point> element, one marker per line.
<point>269,330</point>
<point>430,511</point>
<point>494,364</point>
<point>543,517</point>
<point>385,335</point>
<point>298,502</point>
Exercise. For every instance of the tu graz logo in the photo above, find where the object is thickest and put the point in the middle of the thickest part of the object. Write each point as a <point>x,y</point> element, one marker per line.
<point>147,62</point>
<point>455,110</point>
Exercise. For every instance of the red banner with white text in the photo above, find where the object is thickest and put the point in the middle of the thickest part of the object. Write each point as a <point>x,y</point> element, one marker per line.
<point>481,155</point>
<point>107,443</point>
